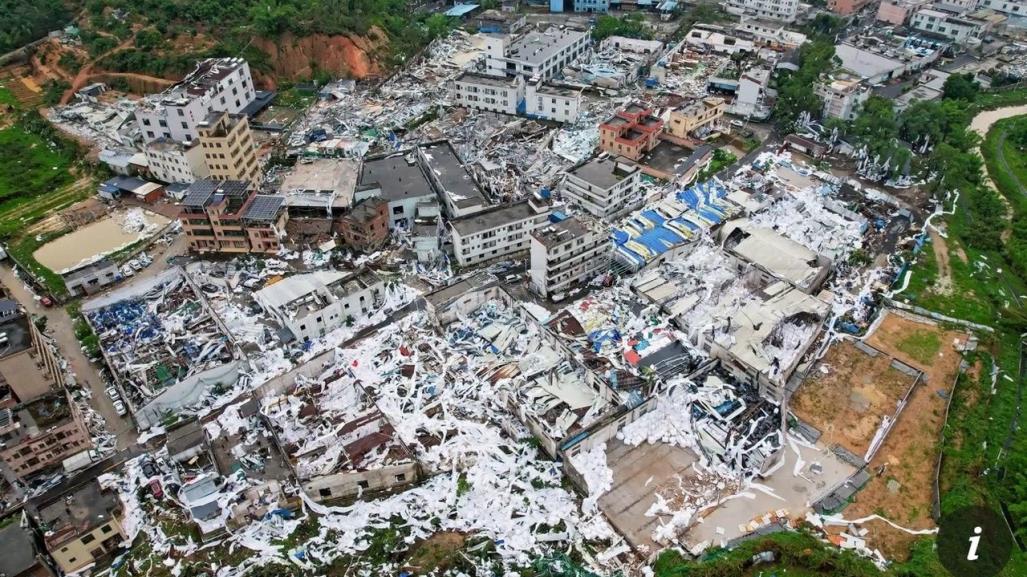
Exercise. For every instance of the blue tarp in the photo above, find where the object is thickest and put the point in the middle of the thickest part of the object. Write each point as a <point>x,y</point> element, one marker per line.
<point>620,237</point>
<point>461,10</point>
<point>659,239</point>
<point>653,216</point>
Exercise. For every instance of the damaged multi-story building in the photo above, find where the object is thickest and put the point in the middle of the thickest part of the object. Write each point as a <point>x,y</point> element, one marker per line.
<point>312,304</point>
<point>497,233</point>
<point>568,253</point>
<point>606,187</point>
<point>82,526</point>
<point>630,132</point>
<point>538,54</point>
<point>40,426</point>
<point>228,216</point>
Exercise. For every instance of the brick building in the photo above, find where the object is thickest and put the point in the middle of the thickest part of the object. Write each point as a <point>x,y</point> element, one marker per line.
<point>229,217</point>
<point>631,132</point>
<point>366,227</point>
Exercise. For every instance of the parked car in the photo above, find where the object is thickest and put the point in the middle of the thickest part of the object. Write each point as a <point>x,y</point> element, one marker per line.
<point>119,408</point>
<point>112,392</point>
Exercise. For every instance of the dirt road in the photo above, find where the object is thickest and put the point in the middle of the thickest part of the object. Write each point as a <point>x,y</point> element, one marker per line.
<point>59,325</point>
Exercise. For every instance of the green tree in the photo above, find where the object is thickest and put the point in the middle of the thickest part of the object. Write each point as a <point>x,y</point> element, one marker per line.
<point>630,26</point>
<point>796,90</point>
<point>960,87</point>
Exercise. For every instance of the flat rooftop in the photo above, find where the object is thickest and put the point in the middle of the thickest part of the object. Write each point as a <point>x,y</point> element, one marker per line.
<point>399,176</point>
<point>335,176</point>
<point>456,182</point>
<point>561,232</point>
<point>494,218</point>
<point>486,79</point>
<point>537,47</point>
<point>604,172</point>
<point>78,511</point>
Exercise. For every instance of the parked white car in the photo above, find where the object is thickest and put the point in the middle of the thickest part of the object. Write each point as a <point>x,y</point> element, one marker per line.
<point>119,408</point>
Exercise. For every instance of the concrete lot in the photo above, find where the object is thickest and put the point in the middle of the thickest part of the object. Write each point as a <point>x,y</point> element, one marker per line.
<point>793,496</point>
<point>638,473</point>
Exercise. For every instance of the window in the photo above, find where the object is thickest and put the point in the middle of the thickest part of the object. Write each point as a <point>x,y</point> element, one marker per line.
<point>362,484</point>
<point>106,529</point>
<point>401,477</point>
<point>326,492</point>
<point>88,539</point>
<point>73,559</point>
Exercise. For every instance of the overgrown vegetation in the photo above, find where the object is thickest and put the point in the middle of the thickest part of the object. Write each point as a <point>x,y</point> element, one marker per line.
<point>796,89</point>
<point>34,162</point>
<point>629,25</point>
<point>26,20</point>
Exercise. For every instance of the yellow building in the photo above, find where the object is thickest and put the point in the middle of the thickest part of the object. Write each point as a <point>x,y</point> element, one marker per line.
<point>82,527</point>
<point>228,148</point>
<point>697,116</point>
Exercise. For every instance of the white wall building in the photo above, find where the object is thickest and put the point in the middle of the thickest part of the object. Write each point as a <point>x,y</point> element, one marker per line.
<point>171,161</point>
<point>399,180</point>
<point>494,93</point>
<point>635,45</point>
<point>606,187</point>
<point>960,29</point>
<point>496,233</point>
<point>552,102</point>
<point>568,253</point>
<point>313,304</point>
<point>1009,7</point>
<point>717,41</point>
<point>751,100</point>
<point>534,54</point>
<point>216,85</point>
<point>783,10</point>
<point>843,97</point>
<point>770,33</point>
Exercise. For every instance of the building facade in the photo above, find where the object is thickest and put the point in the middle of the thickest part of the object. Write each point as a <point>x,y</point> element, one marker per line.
<point>847,7</point>
<point>843,97</point>
<point>752,101</point>
<point>82,526</point>
<point>606,187</point>
<point>697,117</point>
<point>496,233</point>
<point>959,28</point>
<point>535,54</point>
<point>366,227</point>
<point>1008,7</point>
<point>898,12</point>
<point>552,102</point>
<point>313,304</point>
<point>216,85</point>
<point>171,161</point>
<point>491,93</point>
<point>225,216</point>
<point>783,10</point>
<point>566,254</point>
<point>41,433</point>
<point>631,132</point>
<point>228,148</point>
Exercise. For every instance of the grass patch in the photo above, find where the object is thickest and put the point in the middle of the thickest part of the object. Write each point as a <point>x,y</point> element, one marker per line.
<point>83,332</point>
<point>921,346</point>
<point>32,166</point>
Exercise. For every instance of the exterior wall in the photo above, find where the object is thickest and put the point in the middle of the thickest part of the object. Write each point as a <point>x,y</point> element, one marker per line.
<point>842,103</point>
<point>481,94</point>
<point>684,122</point>
<point>896,13</point>
<point>498,63</point>
<point>355,483</point>
<point>605,203</point>
<point>957,29</point>
<point>560,268</point>
<point>96,280</point>
<point>179,121</point>
<point>316,324</point>
<point>88,547</point>
<point>504,240</point>
<point>366,235</point>
<point>1010,7</point>
<point>177,164</point>
<point>229,151</point>
<point>783,10</point>
<point>846,7</point>
<point>211,230</point>
<point>264,239</point>
<point>551,104</point>
<point>591,5</point>
<point>48,448</point>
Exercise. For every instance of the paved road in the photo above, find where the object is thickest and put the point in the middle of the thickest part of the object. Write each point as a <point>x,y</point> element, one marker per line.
<point>59,326</point>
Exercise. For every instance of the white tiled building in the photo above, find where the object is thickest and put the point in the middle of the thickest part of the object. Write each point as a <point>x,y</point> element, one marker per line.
<point>313,304</point>
<point>568,253</point>
<point>961,29</point>
<point>606,187</point>
<point>217,85</point>
<point>1009,7</point>
<point>553,102</point>
<point>496,233</point>
<point>171,161</point>
<point>534,54</point>
<point>493,93</point>
<point>843,97</point>
<point>783,10</point>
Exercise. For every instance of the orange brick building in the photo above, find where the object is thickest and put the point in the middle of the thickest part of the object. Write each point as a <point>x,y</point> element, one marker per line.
<point>631,132</point>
